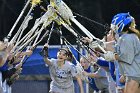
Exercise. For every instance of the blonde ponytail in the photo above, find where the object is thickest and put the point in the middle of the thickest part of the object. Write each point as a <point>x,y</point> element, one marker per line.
<point>137,32</point>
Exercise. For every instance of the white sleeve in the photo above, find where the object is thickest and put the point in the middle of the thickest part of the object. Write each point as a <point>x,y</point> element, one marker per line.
<point>126,50</point>
<point>53,62</point>
<point>73,70</point>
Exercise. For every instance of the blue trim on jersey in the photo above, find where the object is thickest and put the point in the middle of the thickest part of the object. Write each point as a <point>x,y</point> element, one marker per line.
<point>111,66</point>
<point>4,67</point>
<point>91,80</point>
<point>118,83</point>
<point>103,63</point>
<point>112,70</point>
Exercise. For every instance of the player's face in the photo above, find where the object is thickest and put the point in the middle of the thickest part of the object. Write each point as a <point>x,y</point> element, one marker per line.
<point>61,55</point>
<point>83,63</point>
<point>110,36</point>
<point>133,24</point>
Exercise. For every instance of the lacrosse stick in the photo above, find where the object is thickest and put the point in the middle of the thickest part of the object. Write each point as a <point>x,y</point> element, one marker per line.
<point>66,13</point>
<point>34,46</point>
<point>42,51</point>
<point>44,35</point>
<point>38,34</point>
<point>46,19</point>
<point>21,47</point>
<point>34,3</point>
<point>10,33</point>
<point>78,66</point>
<point>23,27</point>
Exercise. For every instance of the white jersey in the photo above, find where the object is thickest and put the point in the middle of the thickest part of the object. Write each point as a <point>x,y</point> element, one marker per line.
<point>62,77</point>
<point>101,82</point>
<point>128,49</point>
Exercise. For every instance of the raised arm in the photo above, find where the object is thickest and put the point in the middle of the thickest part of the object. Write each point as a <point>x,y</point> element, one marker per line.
<point>92,75</point>
<point>4,52</point>
<point>45,54</point>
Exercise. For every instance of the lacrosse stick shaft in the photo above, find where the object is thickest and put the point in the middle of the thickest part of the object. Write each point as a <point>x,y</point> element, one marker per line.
<point>87,32</point>
<point>30,33</point>
<point>70,16</point>
<point>28,41</point>
<point>10,33</point>
<point>70,29</point>
<point>23,40</point>
<point>50,33</point>
<point>17,43</point>
<point>65,40</point>
<point>35,42</point>
<point>78,64</point>
<point>83,28</point>
<point>19,31</point>
<point>41,38</point>
<point>71,52</point>
<point>61,39</point>
<point>25,23</point>
<point>37,38</point>
<point>48,40</point>
<point>24,55</point>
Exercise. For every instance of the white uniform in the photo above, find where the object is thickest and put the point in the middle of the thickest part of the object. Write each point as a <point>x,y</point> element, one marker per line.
<point>128,49</point>
<point>62,78</point>
<point>1,88</point>
<point>102,82</point>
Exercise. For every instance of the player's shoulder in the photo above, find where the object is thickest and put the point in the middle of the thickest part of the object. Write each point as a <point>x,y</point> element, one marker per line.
<point>69,63</point>
<point>53,60</point>
<point>130,36</point>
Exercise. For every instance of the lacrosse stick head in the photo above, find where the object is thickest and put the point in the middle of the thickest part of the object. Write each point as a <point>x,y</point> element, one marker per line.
<point>120,21</point>
<point>35,2</point>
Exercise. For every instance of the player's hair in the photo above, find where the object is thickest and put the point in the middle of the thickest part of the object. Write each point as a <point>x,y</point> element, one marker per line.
<point>70,56</point>
<point>126,28</point>
<point>64,49</point>
<point>68,53</point>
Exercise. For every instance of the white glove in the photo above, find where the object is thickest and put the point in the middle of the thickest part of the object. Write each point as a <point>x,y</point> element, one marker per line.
<point>96,44</point>
<point>109,56</point>
<point>102,43</point>
<point>93,44</point>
